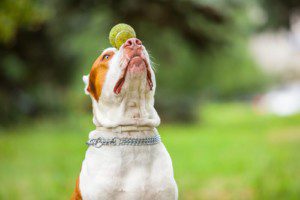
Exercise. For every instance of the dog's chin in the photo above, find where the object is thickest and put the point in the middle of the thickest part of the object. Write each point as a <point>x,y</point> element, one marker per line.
<point>137,68</point>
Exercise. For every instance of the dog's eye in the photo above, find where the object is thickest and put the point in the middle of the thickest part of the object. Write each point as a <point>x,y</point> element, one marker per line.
<point>105,57</point>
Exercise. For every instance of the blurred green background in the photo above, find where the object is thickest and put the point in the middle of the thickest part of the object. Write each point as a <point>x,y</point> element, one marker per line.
<point>214,95</point>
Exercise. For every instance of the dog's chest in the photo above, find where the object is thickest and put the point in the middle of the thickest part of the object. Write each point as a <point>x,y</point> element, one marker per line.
<point>128,172</point>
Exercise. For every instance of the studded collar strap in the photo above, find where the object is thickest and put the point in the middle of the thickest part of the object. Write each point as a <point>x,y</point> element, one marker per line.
<point>123,141</point>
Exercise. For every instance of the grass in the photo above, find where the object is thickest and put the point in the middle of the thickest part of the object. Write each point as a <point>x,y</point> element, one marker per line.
<point>233,154</point>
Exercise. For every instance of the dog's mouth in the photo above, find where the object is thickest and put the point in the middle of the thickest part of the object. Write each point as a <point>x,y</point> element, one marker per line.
<point>135,65</point>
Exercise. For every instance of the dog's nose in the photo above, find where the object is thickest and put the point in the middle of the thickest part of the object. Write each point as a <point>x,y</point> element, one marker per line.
<point>133,42</point>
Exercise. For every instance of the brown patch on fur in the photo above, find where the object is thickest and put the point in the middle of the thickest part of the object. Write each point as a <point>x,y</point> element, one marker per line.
<point>76,194</point>
<point>98,74</point>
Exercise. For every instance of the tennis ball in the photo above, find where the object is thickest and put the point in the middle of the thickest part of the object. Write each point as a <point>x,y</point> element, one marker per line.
<point>119,34</point>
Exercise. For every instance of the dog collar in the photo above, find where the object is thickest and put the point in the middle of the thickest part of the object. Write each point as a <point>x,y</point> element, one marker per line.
<point>123,141</point>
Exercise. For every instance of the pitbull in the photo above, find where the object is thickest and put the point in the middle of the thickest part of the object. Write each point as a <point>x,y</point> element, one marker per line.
<point>126,159</point>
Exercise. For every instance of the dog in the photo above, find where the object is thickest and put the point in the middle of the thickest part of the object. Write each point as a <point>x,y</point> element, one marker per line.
<point>125,159</point>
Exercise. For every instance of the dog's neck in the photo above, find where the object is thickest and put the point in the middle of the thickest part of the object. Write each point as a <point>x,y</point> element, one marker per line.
<point>134,107</point>
<point>135,100</point>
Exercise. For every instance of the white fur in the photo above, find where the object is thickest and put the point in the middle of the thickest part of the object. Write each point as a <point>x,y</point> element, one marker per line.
<point>126,172</point>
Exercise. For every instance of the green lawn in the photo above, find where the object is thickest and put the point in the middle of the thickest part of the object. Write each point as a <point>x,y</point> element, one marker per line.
<point>233,154</point>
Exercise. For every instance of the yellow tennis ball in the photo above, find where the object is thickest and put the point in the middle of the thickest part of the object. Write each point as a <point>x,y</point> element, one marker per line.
<point>119,34</point>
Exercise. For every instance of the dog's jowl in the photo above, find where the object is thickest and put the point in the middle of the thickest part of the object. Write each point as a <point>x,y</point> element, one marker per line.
<point>125,159</point>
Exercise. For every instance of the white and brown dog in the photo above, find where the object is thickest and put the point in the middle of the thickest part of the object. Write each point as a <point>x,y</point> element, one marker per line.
<point>122,86</point>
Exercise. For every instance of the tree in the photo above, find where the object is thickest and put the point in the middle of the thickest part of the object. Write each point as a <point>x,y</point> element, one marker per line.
<point>32,63</point>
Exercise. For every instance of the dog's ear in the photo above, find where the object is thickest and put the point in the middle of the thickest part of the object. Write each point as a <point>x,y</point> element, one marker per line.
<point>86,83</point>
<point>97,78</point>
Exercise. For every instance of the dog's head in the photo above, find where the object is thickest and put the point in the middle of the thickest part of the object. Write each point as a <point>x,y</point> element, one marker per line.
<point>116,73</point>
<point>121,84</point>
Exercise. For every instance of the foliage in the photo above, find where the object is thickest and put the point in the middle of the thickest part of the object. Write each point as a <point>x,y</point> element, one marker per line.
<point>35,67</point>
<point>27,14</point>
<point>279,12</point>
<point>234,154</point>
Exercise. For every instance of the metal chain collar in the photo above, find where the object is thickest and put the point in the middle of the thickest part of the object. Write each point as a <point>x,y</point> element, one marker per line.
<point>116,141</point>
